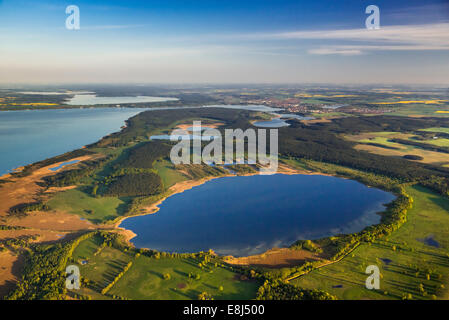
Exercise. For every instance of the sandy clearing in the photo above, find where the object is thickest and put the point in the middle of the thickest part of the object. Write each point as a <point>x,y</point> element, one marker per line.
<point>51,220</point>
<point>47,226</point>
<point>275,258</point>
<point>10,269</point>
<point>24,189</point>
<point>42,235</point>
<point>203,125</point>
<point>59,189</point>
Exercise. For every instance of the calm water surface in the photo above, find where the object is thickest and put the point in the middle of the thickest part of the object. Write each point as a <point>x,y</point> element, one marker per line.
<point>248,215</point>
<point>30,136</point>
<point>92,99</point>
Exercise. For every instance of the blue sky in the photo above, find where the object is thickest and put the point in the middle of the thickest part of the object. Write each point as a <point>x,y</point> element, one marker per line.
<point>276,41</point>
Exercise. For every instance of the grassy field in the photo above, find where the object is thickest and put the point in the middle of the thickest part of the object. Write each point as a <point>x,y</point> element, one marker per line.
<point>443,130</point>
<point>440,142</point>
<point>420,109</point>
<point>168,173</point>
<point>384,141</point>
<point>414,260</point>
<point>102,265</point>
<point>431,157</point>
<point>383,138</point>
<point>75,201</point>
<point>145,280</point>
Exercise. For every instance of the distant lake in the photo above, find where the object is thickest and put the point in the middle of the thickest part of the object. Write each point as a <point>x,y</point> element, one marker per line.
<point>248,215</point>
<point>30,136</point>
<point>92,99</point>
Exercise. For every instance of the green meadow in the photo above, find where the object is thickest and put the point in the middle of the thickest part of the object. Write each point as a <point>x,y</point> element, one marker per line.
<point>413,261</point>
<point>419,109</point>
<point>102,264</point>
<point>168,173</point>
<point>382,143</point>
<point>440,142</point>
<point>384,138</point>
<point>441,129</point>
<point>96,210</point>
<point>168,278</point>
<point>156,278</point>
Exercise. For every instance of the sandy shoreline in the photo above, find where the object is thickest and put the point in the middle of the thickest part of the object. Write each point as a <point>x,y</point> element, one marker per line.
<point>46,169</point>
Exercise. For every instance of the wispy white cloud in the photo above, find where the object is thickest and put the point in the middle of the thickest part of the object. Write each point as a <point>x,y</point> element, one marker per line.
<point>427,33</point>
<point>360,49</point>
<point>336,50</point>
<point>388,38</point>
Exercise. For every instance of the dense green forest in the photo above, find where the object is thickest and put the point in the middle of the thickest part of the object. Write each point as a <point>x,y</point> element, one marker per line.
<point>73,176</point>
<point>284,291</point>
<point>24,208</point>
<point>134,185</point>
<point>44,274</point>
<point>148,122</point>
<point>144,155</point>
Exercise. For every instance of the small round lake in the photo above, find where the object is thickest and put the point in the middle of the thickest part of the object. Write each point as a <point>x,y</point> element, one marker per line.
<point>249,215</point>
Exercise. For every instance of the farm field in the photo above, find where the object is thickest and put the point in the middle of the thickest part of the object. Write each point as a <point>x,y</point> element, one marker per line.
<point>384,137</point>
<point>374,141</point>
<point>430,157</point>
<point>420,110</point>
<point>99,264</point>
<point>413,261</point>
<point>161,277</point>
<point>443,130</point>
<point>440,142</point>
<point>145,280</point>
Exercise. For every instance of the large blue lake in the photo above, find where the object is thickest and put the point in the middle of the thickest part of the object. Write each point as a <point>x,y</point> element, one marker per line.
<point>30,136</point>
<point>248,215</point>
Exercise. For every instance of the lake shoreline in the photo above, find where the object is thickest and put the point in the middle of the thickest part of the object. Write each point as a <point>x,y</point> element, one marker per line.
<point>180,187</point>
